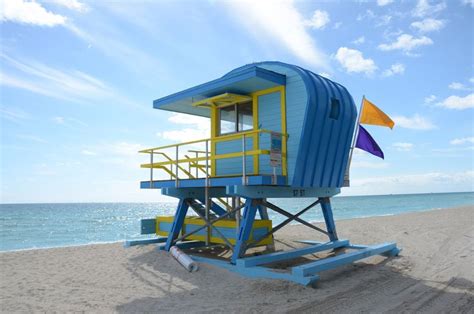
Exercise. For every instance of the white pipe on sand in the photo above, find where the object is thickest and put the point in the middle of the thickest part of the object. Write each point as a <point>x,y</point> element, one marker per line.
<point>184,259</point>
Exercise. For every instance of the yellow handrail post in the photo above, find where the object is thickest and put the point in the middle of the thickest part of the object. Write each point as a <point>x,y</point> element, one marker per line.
<point>177,179</point>
<point>244,166</point>
<point>206,192</point>
<point>151,170</point>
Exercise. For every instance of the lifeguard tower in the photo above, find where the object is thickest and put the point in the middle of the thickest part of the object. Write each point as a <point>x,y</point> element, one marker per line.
<point>276,131</point>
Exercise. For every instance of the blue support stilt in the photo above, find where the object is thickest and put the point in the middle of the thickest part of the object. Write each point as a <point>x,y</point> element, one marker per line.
<point>250,211</point>
<point>177,223</point>
<point>328,218</point>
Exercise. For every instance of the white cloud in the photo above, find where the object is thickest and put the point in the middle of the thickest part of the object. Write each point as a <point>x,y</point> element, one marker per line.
<point>198,128</point>
<point>69,122</point>
<point>464,140</point>
<point>111,43</point>
<point>415,122</point>
<point>471,80</point>
<point>384,2</point>
<point>369,164</point>
<point>283,23</point>
<point>10,81</point>
<point>14,114</point>
<point>353,61</point>
<point>319,20</point>
<point>458,86</point>
<point>326,75</point>
<point>70,4</point>
<point>359,40</point>
<point>468,2</point>
<point>424,8</point>
<point>396,68</point>
<point>403,147</point>
<point>369,14</point>
<point>428,25</point>
<point>184,135</point>
<point>337,25</point>
<point>384,20</point>
<point>415,183</point>
<point>88,152</point>
<point>453,151</point>
<point>74,86</point>
<point>125,149</point>
<point>378,20</point>
<point>33,138</point>
<point>430,99</point>
<point>406,43</point>
<point>29,12</point>
<point>58,120</point>
<point>457,102</point>
<point>181,118</point>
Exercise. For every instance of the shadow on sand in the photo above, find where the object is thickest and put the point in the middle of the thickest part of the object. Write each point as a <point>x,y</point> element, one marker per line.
<point>374,285</point>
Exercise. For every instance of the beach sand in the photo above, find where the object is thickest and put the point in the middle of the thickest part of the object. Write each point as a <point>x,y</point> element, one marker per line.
<point>434,273</point>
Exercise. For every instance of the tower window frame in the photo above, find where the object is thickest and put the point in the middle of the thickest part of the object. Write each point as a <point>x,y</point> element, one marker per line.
<point>239,118</point>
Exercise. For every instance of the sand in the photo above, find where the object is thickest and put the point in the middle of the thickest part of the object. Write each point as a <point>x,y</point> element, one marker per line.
<point>434,273</point>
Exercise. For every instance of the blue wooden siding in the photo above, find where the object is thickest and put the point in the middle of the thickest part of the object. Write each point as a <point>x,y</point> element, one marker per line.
<point>233,166</point>
<point>269,118</point>
<point>325,142</point>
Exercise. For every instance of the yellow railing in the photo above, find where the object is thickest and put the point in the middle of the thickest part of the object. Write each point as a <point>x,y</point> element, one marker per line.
<point>181,165</point>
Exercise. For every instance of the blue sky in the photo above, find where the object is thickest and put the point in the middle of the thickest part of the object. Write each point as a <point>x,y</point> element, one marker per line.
<point>78,80</point>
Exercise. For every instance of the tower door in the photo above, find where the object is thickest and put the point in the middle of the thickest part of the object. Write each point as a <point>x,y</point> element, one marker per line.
<point>269,118</point>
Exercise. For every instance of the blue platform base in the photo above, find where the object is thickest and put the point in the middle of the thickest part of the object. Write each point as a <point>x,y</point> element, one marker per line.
<point>263,266</point>
<point>306,274</point>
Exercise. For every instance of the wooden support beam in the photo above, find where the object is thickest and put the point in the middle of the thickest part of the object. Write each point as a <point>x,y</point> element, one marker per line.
<point>130,243</point>
<point>287,255</point>
<point>339,260</point>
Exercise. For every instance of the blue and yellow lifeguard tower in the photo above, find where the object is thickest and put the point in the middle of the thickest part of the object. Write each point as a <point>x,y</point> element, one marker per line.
<point>277,131</point>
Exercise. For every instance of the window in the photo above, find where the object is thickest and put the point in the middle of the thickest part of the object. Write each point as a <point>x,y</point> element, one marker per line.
<point>228,119</point>
<point>335,109</point>
<point>245,117</point>
<point>236,118</point>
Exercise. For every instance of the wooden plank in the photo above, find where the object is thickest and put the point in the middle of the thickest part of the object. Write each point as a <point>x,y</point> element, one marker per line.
<point>339,260</point>
<point>257,272</point>
<point>286,255</point>
<point>130,243</point>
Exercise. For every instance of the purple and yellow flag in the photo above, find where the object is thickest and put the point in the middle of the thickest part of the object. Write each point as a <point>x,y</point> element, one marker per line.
<point>366,142</point>
<point>371,114</point>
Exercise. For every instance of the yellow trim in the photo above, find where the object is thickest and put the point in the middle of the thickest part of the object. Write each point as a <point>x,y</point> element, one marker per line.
<point>284,166</point>
<point>255,95</point>
<point>268,90</point>
<point>214,157</point>
<point>213,143</point>
<point>222,100</point>
<point>256,137</point>
<point>225,223</point>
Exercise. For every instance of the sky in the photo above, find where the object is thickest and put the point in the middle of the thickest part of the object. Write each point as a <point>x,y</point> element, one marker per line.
<point>78,79</point>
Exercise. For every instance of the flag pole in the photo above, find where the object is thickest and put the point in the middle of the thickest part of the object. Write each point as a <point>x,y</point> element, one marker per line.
<point>356,133</point>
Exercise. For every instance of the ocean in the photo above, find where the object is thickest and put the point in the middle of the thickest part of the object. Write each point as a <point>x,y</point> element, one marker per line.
<point>32,226</point>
